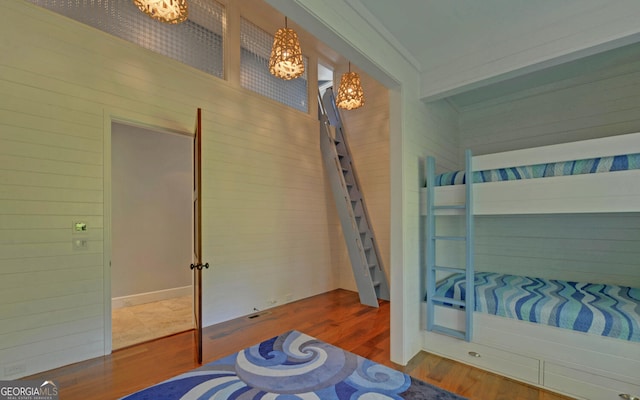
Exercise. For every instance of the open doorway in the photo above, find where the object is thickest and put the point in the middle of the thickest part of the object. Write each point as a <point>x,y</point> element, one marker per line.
<point>151,229</point>
<point>325,78</point>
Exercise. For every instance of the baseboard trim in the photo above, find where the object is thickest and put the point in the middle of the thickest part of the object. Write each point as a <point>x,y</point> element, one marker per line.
<point>149,297</point>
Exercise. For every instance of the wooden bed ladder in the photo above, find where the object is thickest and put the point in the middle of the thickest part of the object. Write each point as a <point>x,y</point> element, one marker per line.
<point>432,268</point>
<point>366,263</point>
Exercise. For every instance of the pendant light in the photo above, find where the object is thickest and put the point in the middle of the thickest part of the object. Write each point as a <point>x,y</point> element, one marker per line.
<point>350,93</point>
<point>168,11</point>
<point>286,57</point>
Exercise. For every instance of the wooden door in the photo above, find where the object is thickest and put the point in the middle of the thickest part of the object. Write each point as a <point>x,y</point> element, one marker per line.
<point>197,264</point>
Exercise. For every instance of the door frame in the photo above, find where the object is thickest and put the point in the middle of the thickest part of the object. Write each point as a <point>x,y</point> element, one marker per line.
<point>139,121</point>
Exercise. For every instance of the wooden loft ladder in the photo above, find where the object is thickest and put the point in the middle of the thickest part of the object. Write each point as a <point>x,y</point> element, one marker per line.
<point>366,263</point>
<point>432,268</point>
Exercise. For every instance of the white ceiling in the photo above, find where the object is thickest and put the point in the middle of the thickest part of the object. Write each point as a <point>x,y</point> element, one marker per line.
<point>442,38</point>
<point>474,49</point>
<point>431,33</point>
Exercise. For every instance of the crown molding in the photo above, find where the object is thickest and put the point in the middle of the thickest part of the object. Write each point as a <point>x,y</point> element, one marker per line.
<point>375,23</point>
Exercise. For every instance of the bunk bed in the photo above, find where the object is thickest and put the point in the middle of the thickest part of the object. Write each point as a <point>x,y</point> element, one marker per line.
<point>577,338</point>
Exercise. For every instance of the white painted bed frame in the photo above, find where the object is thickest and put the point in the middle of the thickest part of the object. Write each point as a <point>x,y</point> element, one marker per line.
<point>581,365</point>
<point>577,364</point>
<point>590,193</point>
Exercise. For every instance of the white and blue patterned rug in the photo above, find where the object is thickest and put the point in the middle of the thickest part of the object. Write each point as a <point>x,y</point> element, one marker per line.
<point>293,366</point>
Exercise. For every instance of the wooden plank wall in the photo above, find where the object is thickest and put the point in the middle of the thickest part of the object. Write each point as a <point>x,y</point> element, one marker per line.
<point>265,207</point>
<point>597,102</point>
<point>596,248</point>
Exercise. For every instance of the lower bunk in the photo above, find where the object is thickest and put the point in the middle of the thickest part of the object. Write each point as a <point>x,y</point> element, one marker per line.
<point>575,338</point>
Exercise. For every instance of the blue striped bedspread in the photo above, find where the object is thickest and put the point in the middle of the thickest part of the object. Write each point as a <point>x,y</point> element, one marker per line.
<point>600,309</point>
<point>578,167</point>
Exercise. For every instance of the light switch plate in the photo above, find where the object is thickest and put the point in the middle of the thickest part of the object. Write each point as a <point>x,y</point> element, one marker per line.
<point>80,244</point>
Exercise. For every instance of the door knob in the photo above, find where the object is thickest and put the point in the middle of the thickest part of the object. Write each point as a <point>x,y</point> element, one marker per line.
<point>199,266</point>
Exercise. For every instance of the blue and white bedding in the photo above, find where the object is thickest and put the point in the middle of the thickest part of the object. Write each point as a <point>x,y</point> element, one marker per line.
<point>578,167</point>
<point>605,310</point>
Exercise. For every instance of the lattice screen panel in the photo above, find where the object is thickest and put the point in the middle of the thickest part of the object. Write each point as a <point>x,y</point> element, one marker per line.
<point>197,42</point>
<point>254,69</point>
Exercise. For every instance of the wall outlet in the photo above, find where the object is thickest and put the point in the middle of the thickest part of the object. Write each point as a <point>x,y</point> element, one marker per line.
<point>15,370</point>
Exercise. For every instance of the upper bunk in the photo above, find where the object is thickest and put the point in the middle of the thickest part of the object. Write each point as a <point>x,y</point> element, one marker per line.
<point>603,191</point>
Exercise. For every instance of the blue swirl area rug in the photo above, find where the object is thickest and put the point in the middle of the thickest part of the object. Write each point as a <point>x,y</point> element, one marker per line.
<point>289,367</point>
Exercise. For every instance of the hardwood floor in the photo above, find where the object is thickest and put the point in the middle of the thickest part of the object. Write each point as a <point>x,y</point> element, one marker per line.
<point>335,317</point>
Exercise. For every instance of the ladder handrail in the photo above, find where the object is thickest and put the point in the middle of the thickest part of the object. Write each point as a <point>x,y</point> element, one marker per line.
<point>329,92</point>
<point>431,244</point>
<point>357,229</point>
<point>470,265</point>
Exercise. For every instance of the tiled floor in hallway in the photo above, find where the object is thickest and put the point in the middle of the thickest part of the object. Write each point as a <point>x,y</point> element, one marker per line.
<point>144,322</point>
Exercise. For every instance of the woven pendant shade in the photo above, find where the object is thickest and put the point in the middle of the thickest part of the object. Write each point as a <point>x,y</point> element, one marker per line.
<point>286,56</point>
<point>169,11</point>
<point>350,93</point>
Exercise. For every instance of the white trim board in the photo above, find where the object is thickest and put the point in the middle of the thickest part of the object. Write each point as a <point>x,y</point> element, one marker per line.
<point>587,193</point>
<point>149,297</point>
<point>606,192</point>
<point>127,117</point>
<point>583,149</point>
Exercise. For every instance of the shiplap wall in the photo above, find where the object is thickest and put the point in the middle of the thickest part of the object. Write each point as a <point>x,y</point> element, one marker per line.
<point>599,248</point>
<point>265,209</point>
<point>596,248</point>
<point>367,132</point>
<point>599,103</point>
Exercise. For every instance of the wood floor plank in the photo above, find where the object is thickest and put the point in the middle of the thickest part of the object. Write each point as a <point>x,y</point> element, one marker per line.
<point>335,317</point>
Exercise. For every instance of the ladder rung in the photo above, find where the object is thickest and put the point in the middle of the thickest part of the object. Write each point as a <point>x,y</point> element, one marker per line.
<point>449,331</point>
<point>463,332</point>
<point>449,269</point>
<point>458,238</point>
<point>448,300</point>
<point>376,283</point>
<point>373,265</point>
<point>450,207</point>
